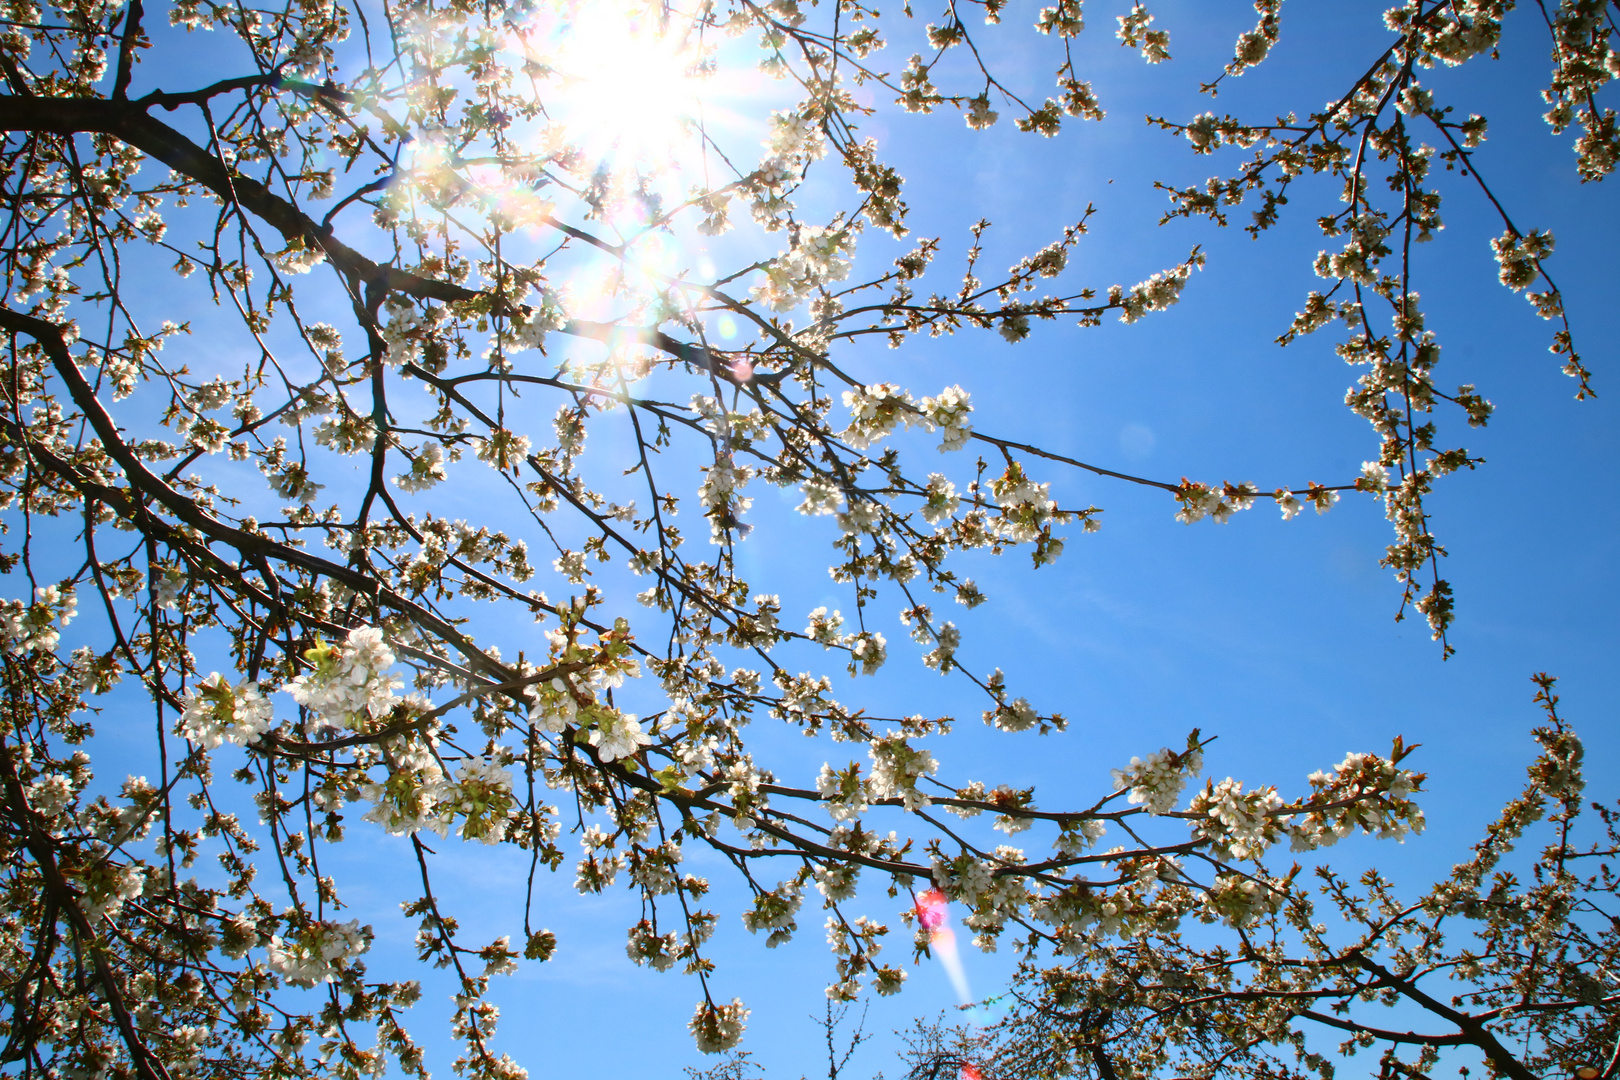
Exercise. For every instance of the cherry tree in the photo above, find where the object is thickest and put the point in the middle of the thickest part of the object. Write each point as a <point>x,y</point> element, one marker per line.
<point>1506,962</point>
<point>440,246</point>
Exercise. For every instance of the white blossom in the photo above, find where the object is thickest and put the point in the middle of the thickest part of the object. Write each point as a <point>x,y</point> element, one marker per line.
<point>869,649</point>
<point>1161,291</point>
<point>349,685</point>
<point>844,791</point>
<point>876,410</point>
<point>1157,781</point>
<point>1239,901</point>
<point>317,951</point>
<point>821,256</point>
<point>948,414</point>
<point>1236,824</point>
<point>215,712</point>
<point>718,1028</point>
<point>618,735</point>
<point>300,257</point>
<point>942,499</point>
<point>896,768</point>
<point>38,625</point>
<point>427,468</point>
<point>482,798</point>
<point>411,796</point>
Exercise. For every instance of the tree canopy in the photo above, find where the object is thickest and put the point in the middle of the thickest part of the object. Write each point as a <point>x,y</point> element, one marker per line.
<point>1515,968</point>
<point>380,532</point>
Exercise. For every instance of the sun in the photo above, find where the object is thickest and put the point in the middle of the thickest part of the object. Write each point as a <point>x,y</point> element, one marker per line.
<point>623,82</point>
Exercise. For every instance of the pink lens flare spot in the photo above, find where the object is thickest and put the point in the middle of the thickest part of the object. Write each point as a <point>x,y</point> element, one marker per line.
<point>742,369</point>
<point>969,1072</point>
<point>931,917</point>
<point>931,909</point>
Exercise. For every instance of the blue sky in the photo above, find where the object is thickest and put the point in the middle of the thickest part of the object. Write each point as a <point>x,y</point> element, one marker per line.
<point>1276,636</point>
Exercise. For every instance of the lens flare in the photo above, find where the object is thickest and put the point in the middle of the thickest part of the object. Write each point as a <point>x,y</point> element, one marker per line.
<point>932,911</point>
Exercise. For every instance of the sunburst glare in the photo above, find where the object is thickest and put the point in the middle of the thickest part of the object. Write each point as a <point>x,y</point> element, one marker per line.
<point>623,82</point>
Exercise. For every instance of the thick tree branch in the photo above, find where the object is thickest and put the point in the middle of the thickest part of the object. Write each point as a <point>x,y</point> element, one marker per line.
<point>1476,1033</point>
<point>130,123</point>
<point>50,338</point>
<point>126,49</point>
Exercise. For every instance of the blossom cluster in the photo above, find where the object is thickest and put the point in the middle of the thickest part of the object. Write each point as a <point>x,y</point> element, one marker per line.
<point>1199,501</point>
<point>351,685</point>
<point>1239,900</point>
<point>720,494</point>
<point>896,768</point>
<point>874,412</point>
<point>581,699</point>
<point>1364,792</point>
<point>24,628</point>
<point>775,910</point>
<point>855,943</point>
<point>300,257</point>
<point>948,414</point>
<point>317,951</point>
<point>1156,782</point>
<point>107,886</point>
<point>943,501</point>
<point>618,735</point>
<point>647,947</point>
<point>215,712</point>
<point>878,409</point>
<point>1157,293</point>
<point>408,329</point>
<point>427,468</point>
<point>1236,824</point>
<point>1027,510</point>
<point>845,791</point>
<point>718,1028</point>
<point>795,140</point>
<point>820,256</point>
<point>1015,715</point>
<point>410,797</point>
<point>964,878</point>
